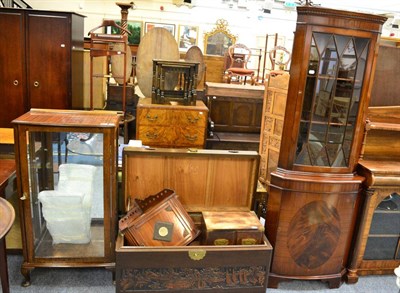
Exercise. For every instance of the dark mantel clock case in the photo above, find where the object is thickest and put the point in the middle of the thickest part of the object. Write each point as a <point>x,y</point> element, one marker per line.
<point>314,193</point>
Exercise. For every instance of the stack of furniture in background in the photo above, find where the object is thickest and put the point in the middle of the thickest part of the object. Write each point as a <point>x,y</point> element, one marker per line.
<point>235,115</point>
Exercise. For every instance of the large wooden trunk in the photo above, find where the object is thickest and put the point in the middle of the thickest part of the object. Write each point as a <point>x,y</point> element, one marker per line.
<point>205,180</point>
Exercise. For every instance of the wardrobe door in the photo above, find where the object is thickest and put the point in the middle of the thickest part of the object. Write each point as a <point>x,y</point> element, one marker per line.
<point>49,60</point>
<point>12,81</point>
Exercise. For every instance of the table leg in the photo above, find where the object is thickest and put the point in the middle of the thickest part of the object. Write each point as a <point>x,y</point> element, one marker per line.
<point>5,285</point>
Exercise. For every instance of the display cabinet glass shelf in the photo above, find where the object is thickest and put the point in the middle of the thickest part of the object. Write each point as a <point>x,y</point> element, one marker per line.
<point>66,177</point>
<point>314,193</point>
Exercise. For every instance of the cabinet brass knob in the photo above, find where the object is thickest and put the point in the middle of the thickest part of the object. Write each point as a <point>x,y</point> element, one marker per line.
<point>15,82</point>
<point>36,84</point>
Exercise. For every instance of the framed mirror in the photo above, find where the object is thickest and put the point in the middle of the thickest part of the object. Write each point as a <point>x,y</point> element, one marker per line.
<point>219,39</point>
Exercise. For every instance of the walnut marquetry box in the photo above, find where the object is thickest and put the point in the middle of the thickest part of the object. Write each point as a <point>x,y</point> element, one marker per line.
<point>204,180</point>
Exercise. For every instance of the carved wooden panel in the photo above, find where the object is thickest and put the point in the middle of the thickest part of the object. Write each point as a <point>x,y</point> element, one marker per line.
<point>202,278</point>
<point>272,124</point>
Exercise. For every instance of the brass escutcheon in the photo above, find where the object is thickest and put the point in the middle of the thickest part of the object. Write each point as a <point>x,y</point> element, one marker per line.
<point>197,254</point>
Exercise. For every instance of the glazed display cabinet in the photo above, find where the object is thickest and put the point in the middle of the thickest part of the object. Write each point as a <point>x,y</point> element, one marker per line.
<point>66,178</point>
<point>314,193</point>
<point>376,250</point>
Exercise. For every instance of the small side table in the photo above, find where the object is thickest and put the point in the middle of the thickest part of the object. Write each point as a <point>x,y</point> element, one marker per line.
<point>7,217</point>
<point>7,170</point>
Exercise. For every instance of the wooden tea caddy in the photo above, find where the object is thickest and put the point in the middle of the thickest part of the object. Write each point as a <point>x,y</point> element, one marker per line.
<point>205,180</point>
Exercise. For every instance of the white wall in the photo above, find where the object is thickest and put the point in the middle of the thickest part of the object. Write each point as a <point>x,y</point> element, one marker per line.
<point>250,25</point>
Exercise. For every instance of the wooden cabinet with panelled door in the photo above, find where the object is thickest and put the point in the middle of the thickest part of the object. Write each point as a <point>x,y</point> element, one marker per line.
<point>41,61</point>
<point>171,125</point>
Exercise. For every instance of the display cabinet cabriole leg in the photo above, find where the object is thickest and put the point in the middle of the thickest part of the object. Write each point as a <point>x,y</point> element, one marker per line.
<point>26,272</point>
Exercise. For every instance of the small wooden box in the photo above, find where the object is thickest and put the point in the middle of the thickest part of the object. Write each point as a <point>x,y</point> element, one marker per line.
<point>229,228</point>
<point>159,220</point>
<point>205,180</point>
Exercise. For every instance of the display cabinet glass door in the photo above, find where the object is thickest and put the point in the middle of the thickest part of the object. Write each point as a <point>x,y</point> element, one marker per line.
<point>65,171</point>
<point>331,100</point>
<point>384,234</point>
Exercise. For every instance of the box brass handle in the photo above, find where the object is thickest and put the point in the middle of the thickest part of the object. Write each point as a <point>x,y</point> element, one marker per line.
<point>249,241</point>
<point>193,120</point>
<point>150,135</point>
<point>191,138</point>
<point>221,241</point>
<point>197,254</point>
<point>152,118</point>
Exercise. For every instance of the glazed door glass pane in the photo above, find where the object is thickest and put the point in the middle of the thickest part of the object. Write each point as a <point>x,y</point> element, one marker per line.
<point>66,194</point>
<point>331,99</point>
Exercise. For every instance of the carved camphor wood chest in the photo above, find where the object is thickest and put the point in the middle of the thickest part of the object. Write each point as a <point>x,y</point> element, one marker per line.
<point>205,180</point>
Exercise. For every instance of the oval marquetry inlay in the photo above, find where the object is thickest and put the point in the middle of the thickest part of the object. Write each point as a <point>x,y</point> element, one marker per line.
<point>313,234</point>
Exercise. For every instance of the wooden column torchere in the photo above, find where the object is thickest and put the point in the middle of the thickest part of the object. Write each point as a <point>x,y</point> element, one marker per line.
<point>124,15</point>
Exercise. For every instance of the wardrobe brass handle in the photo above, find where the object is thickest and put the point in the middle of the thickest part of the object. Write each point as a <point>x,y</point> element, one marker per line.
<point>36,84</point>
<point>15,82</point>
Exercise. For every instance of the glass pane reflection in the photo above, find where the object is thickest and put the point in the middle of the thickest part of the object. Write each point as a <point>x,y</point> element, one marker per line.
<point>66,193</point>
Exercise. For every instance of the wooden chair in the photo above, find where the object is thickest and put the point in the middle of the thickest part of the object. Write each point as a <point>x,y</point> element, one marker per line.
<point>239,55</point>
